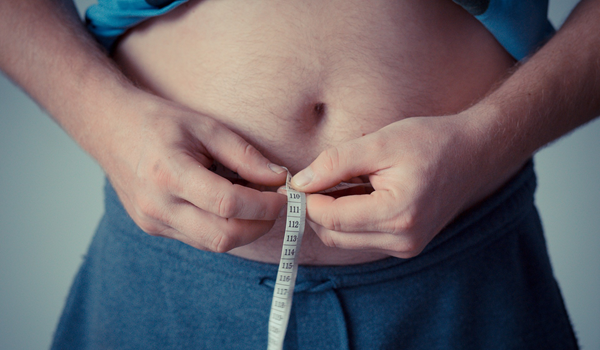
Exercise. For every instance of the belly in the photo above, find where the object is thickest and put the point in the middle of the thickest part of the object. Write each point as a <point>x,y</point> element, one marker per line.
<point>294,77</point>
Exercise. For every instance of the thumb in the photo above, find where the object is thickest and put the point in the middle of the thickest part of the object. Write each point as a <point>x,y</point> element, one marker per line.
<point>335,165</point>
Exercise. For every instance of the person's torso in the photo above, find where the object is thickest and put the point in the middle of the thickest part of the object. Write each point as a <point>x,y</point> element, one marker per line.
<point>295,77</point>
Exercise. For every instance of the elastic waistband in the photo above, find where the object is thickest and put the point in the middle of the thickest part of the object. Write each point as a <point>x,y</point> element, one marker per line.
<point>479,226</point>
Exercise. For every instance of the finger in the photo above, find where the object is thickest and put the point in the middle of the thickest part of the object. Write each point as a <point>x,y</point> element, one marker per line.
<point>206,231</point>
<point>237,154</point>
<point>210,192</point>
<point>394,245</point>
<point>340,163</point>
<point>194,183</point>
<point>376,212</point>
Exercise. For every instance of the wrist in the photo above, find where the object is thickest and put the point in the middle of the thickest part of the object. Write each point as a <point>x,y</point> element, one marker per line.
<point>104,110</point>
<point>499,145</point>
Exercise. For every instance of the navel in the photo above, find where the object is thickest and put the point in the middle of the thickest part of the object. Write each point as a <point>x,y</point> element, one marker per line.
<point>319,110</point>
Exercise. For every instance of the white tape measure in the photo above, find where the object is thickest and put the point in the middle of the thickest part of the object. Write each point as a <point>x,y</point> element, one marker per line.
<point>283,291</point>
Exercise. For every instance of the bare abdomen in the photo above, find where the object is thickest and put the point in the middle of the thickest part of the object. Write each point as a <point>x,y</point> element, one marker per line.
<point>294,77</point>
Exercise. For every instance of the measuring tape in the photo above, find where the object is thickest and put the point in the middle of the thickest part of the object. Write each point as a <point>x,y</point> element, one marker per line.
<point>283,291</point>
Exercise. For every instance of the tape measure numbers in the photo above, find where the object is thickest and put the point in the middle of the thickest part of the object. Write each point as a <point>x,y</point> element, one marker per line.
<point>283,291</point>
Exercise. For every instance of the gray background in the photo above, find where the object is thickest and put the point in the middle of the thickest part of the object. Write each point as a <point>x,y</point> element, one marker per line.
<point>51,201</point>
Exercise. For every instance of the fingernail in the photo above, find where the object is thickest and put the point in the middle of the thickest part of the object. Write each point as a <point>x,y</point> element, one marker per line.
<point>276,168</point>
<point>303,178</point>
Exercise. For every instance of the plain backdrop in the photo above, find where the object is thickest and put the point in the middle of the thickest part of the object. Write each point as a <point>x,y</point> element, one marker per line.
<point>51,201</point>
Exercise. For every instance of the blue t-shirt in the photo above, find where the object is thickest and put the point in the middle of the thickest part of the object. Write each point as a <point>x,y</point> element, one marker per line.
<point>521,26</point>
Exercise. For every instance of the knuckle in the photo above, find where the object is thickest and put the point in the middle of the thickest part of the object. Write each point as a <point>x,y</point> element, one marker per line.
<point>227,205</point>
<point>174,182</point>
<point>150,217</point>
<point>331,221</point>
<point>222,243</point>
<point>160,174</point>
<point>331,158</point>
<point>409,246</point>
<point>242,150</point>
<point>410,240</point>
<point>327,238</point>
<point>250,151</point>
<point>329,241</point>
<point>404,223</point>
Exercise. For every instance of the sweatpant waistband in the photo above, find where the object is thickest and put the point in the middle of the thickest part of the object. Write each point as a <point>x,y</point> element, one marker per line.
<point>478,227</point>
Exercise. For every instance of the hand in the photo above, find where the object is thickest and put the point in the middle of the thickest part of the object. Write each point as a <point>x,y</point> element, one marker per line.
<point>157,163</point>
<point>424,172</point>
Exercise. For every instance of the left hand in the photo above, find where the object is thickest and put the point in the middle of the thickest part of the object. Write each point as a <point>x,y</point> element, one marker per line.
<point>424,171</point>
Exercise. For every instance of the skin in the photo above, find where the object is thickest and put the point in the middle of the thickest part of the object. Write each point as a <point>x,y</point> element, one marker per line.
<point>439,167</point>
<point>153,155</point>
<point>260,69</point>
<point>425,170</point>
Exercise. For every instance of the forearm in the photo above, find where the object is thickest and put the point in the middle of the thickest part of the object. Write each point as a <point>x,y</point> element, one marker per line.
<point>555,91</point>
<point>47,51</point>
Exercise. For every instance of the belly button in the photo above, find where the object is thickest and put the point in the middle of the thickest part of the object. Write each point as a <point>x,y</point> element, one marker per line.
<point>313,118</point>
<point>319,110</point>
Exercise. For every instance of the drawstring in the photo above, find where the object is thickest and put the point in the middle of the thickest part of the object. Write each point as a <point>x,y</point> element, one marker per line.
<point>340,320</point>
<point>327,290</point>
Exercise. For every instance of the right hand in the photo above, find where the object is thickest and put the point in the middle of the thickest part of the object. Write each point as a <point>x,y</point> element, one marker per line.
<point>157,162</point>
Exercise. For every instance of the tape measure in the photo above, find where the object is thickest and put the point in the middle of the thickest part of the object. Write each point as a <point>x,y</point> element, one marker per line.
<point>283,291</point>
